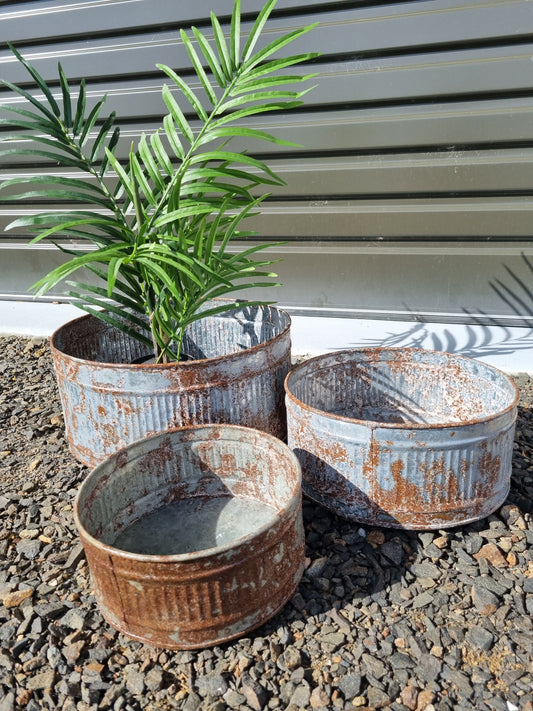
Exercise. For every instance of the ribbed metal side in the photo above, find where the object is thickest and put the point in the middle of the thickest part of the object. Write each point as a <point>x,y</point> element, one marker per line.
<point>213,593</point>
<point>402,437</point>
<point>242,359</point>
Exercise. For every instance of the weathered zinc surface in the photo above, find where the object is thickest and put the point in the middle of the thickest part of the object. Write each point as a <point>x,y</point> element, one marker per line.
<point>238,363</point>
<point>404,438</point>
<point>214,593</point>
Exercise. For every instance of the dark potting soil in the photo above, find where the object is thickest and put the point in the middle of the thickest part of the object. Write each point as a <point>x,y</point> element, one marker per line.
<point>382,618</point>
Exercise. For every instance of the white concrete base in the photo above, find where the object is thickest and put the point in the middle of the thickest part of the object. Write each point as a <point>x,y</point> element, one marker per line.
<point>32,318</point>
<point>510,349</point>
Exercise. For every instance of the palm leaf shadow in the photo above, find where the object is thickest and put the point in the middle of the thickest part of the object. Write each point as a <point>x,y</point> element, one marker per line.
<point>485,335</point>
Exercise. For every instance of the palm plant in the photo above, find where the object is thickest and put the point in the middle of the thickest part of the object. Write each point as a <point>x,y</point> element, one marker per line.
<point>159,224</point>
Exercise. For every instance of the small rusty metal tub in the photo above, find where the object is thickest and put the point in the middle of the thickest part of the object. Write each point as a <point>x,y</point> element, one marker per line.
<point>238,362</point>
<point>402,438</point>
<point>193,536</point>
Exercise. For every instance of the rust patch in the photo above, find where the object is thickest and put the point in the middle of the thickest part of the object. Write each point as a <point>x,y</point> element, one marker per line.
<point>490,471</point>
<point>370,463</point>
<point>158,457</point>
<point>489,466</point>
<point>442,484</point>
<point>401,494</point>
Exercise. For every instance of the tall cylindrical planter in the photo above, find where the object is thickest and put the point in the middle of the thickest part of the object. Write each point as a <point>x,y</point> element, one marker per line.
<point>238,361</point>
<point>404,438</point>
<point>193,536</point>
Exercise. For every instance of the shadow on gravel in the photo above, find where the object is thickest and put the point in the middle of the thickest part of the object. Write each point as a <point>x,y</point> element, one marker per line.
<point>521,493</point>
<point>348,566</point>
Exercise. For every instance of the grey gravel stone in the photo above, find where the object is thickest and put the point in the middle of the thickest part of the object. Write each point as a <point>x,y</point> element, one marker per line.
<point>377,698</point>
<point>192,702</point>
<point>480,637</point>
<point>290,659</point>
<point>255,694</point>
<point>154,679</point>
<point>350,685</point>
<point>134,680</point>
<point>233,699</point>
<point>42,680</point>
<point>528,585</point>
<point>212,685</point>
<point>393,551</point>
<point>428,668</point>
<point>484,600</point>
<point>426,570</point>
<point>301,695</point>
<point>316,568</point>
<point>7,703</point>
<point>422,600</point>
<point>374,666</point>
<point>29,548</point>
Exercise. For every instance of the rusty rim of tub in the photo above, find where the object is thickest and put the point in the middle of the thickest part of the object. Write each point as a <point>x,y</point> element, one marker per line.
<point>375,354</point>
<point>205,552</point>
<point>60,352</point>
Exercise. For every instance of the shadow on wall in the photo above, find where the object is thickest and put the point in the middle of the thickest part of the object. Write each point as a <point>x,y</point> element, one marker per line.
<point>485,336</point>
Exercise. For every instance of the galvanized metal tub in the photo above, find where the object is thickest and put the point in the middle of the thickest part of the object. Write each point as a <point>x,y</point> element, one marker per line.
<point>403,438</point>
<point>241,359</point>
<point>193,536</point>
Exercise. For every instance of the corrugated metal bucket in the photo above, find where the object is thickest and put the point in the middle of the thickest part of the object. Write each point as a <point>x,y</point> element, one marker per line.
<point>193,536</point>
<point>241,359</point>
<point>404,438</point>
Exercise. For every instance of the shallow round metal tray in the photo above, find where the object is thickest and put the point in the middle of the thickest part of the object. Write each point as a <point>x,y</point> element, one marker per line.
<point>404,438</point>
<point>193,536</point>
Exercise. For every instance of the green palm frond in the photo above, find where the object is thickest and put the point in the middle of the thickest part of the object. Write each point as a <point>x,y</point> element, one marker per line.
<point>158,223</point>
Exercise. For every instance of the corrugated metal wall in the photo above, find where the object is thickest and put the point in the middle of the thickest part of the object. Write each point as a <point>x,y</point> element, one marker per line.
<point>413,193</point>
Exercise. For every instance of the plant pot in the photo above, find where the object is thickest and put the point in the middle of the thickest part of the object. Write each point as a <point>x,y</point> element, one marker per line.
<point>242,357</point>
<point>193,536</point>
<point>404,438</point>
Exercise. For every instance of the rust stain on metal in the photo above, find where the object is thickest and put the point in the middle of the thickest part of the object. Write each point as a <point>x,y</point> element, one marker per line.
<point>239,572</point>
<point>371,462</point>
<point>489,466</point>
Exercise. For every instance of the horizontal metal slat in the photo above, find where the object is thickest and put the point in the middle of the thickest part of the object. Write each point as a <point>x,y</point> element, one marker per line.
<point>439,247</point>
<point>136,53</point>
<point>357,31</point>
<point>394,219</point>
<point>23,22</point>
<point>457,172</point>
<point>382,130</point>
<point>454,171</point>
<point>417,283</point>
<point>407,219</point>
<point>422,78</point>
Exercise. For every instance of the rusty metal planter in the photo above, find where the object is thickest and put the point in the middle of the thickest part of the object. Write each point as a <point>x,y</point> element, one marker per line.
<point>241,359</point>
<point>193,536</point>
<point>403,438</point>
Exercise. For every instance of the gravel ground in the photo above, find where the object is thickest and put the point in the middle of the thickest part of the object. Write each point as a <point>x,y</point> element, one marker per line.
<point>381,620</point>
